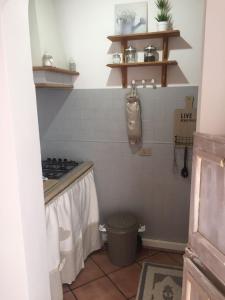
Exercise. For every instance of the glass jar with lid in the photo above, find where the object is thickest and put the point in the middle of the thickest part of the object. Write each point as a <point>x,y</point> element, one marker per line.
<point>130,55</point>
<point>150,53</point>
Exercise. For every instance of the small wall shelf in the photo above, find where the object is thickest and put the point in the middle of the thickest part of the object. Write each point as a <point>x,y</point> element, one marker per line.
<point>54,86</point>
<point>143,64</point>
<point>144,36</point>
<point>56,70</point>
<point>54,78</point>
<point>123,39</point>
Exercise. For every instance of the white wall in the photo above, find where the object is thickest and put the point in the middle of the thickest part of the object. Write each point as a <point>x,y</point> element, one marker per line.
<point>44,33</point>
<point>211,110</point>
<point>23,255</point>
<point>85,24</point>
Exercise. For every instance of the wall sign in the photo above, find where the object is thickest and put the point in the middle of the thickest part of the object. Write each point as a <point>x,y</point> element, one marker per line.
<point>185,124</point>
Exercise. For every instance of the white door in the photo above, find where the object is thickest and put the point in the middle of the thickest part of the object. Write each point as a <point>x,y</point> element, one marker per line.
<point>196,286</point>
<point>207,214</point>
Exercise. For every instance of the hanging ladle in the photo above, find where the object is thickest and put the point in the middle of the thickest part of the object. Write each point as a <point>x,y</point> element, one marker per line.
<point>184,171</point>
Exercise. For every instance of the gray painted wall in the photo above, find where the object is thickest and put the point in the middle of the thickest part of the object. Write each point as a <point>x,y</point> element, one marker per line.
<point>90,125</point>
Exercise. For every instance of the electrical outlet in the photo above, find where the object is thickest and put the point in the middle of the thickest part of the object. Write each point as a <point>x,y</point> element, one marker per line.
<point>145,152</point>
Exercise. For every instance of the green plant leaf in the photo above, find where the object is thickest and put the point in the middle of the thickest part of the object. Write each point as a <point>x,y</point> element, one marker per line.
<point>164,11</point>
<point>163,5</point>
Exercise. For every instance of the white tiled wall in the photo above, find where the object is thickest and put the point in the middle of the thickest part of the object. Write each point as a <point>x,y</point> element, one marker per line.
<point>90,125</point>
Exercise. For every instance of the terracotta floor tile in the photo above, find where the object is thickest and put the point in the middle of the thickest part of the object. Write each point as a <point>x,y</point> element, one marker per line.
<point>100,289</point>
<point>160,258</point>
<point>89,273</point>
<point>102,260</point>
<point>68,296</point>
<point>65,288</point>
<point>178,258</point>
<point>145,252</point>
<point>127,279</point>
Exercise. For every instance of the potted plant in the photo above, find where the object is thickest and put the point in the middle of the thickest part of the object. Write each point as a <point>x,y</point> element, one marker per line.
<point>163,17</point>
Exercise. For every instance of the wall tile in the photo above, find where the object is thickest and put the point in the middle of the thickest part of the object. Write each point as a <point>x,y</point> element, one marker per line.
<point>91,125</point>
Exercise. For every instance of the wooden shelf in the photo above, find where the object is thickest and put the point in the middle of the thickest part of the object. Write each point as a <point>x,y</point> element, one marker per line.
<point>144,36</point>
<point>55,70</point>
<point>143,64</point>
<point>123,39</point>
<point>62,79</point>
<point>54,86</point>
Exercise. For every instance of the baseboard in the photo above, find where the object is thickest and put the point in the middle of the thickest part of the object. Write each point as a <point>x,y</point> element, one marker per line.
<point>159,244</point>
<point>164,245</point>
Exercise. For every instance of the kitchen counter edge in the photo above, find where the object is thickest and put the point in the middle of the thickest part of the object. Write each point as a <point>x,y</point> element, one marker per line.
<point>61,184</point>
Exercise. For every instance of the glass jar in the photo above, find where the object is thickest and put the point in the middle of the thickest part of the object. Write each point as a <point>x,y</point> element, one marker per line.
<point>72,65</point>
<point>130,55</point>
<point>47,60</point>
<point>116,58</point>
<point>150,53</point>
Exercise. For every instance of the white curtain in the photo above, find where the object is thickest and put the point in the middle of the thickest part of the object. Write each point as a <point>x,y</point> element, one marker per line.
<point>72,220</point>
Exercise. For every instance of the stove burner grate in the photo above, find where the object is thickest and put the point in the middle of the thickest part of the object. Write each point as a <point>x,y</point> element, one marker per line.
<point>53,168</point>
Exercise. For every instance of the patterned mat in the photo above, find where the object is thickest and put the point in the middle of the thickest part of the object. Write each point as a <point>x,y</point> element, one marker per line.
<point>160,282</point>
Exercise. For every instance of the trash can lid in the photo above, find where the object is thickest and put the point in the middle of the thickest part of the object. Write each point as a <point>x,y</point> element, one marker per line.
<point>122,221</point>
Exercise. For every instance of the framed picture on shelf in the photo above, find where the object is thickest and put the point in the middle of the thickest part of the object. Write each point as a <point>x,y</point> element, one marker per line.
<point>131,18</point>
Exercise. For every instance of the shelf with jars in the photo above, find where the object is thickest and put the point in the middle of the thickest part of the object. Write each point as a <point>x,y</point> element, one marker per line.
<point>150,53</point>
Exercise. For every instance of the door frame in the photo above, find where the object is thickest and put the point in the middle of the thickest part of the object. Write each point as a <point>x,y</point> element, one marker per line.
<point>22,216</point>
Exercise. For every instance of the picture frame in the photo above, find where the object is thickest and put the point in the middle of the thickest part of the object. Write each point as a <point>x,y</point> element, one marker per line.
<point>131,18</point>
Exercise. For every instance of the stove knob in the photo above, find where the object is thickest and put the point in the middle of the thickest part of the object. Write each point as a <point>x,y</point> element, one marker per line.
<point>54,159</point>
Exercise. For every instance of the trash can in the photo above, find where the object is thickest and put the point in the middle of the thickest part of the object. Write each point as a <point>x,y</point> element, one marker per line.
<point>122,230</point>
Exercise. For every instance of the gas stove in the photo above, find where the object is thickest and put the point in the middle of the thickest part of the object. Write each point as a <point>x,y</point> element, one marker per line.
<point>53,168</point>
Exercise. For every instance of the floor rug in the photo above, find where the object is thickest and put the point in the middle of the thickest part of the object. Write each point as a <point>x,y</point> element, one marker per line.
<point>160,282</point>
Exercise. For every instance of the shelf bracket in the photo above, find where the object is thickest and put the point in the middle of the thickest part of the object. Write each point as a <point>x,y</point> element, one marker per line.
<point>124,77</point>
<point>164,76</point>
<point>165,56</point>
<point>165,48</point>
<point>124,45</point>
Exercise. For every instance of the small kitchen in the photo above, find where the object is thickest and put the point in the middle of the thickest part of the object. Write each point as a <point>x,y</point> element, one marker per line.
<point>98,108</point>
<point>93,164</point>
<point>86,124</point>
